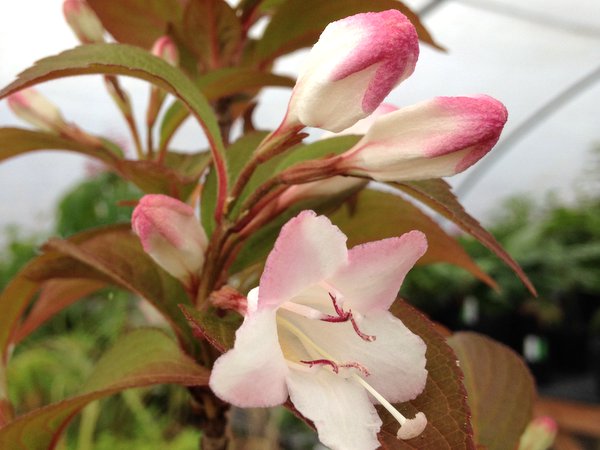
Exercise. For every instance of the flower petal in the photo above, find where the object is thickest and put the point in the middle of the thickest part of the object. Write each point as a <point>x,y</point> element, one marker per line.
<point>395,360</point>
<point>432,139</point>
<point>340,409</point>
<point>376,270</point>
<point>309,249</point>
<point>253,373</point>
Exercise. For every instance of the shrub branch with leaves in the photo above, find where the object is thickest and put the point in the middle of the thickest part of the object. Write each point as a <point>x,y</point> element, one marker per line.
<point>323,333</point>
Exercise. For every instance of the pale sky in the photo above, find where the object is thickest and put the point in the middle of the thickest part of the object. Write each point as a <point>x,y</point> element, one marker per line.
<point>522,55</point>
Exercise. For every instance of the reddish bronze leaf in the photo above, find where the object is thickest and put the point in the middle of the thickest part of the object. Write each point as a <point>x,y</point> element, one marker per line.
<point>378,215</point>
<point>55,295</point>
<point>137,22</point>
<point>443,401</point>
<point>500,389</point>
<point>438,195</point>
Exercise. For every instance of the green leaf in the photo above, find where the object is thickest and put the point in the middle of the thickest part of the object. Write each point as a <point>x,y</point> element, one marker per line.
<point>211,31</point>
<point>237,154</point>
<point>298,23</point>
<point>17,141</point>
<point>218,330</point>
<point>444,399</point>
<point>437,195</point>
<point>500,389</point>
<point>116,59</point>
<point>316,150</point>
<point>378,215</point>
<point>154,178</point>
<point>190,165</point>
<point>234,80</point>
<point>218,84</point>
<point>138,22</point>
<point>142,358</point>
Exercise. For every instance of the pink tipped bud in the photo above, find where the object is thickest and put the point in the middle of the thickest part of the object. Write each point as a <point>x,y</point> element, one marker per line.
<point>172,235</point>
<point>437,138</point>
<point>539,434</point>
<point>228,298</point>
<point>165,48</point>
<point>83,21</point>
<point>34,108</point>
<point>352,68</point>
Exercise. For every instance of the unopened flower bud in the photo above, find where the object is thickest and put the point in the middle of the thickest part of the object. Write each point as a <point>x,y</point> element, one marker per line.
<point>165,48</point>
<point>34,108</point>
<point>172,235</point>
<point>352,68</point>
<point>539,434</point>
<point>436,138</point>
<point>83,21</point>
<point>229,299</point>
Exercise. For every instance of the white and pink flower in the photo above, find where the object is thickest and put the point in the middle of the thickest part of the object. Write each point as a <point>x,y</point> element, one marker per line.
<point>432,139</point>
<point>318,329</point>
<point>352,68</point>
<point>172,235</point>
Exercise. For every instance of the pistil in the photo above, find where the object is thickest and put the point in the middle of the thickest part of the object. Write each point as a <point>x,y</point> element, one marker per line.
<point>409,428</point>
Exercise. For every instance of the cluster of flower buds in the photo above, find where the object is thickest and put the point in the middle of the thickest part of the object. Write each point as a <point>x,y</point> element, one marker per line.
<point>351,69</point>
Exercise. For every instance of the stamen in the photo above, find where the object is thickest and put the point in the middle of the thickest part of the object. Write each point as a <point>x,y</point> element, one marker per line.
<point>409,428</point>
<point>336,366</point>
<point>345,316</point>
<point>327,362</point>
<point>358,366</point>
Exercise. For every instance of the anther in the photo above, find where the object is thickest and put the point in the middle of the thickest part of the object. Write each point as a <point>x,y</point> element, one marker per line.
<point>345,316</point>
<point>327,362</point>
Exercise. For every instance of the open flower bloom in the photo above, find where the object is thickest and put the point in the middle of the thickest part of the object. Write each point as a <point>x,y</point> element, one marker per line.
<point>34,108</point>
<point>432,139</point>
<point>318,329</point>
<point>352,68</point>
<point>172,235</point>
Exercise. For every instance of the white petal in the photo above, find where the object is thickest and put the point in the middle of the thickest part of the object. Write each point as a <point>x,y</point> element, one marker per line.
<point>376,270</point>
<point>340,409</point>
<point>309,249</point>
<point>253,373</point>
<point>395,359</point>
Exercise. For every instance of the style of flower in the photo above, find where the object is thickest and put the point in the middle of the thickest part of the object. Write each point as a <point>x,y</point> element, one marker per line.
<point>318,329</point>
<point>172,235</point>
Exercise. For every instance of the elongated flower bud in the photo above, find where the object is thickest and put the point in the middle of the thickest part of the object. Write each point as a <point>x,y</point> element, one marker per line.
<point>172,235</point>
<point>352,68</point>
<point>436,138</point>
<point>165,48</point>
<point>539,434</point>
<point>83,21</point>
<point>34,108</point>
